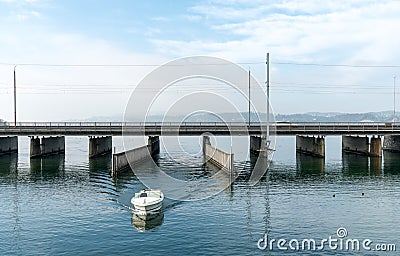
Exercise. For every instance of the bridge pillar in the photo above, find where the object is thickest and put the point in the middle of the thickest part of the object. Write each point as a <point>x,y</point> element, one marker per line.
<point>41,147</point>
<point>154,145</point>
<point>375,147</point>
<point>391,143</point>
<point>206,141</point>
<point>99,146</point>
<point>314,146</point>
<point>355,145</point>
<point>8,145</point>
<point>258,145</point>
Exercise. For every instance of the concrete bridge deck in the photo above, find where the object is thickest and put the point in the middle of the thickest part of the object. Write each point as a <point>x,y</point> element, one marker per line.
<point>194,128</point>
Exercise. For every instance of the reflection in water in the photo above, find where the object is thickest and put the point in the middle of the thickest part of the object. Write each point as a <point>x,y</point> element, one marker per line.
<point>355,164</point>
<point>391,162</point>
<point>375,165</point>
<point>100,163</point>
<point>147,222</point>
<point>221,179</point>
<point>49,166</point>
<point>8,164</point>
<point>100,174</point>
<point>9,174</point>
<point>309,165</point>
<point>258,165</point>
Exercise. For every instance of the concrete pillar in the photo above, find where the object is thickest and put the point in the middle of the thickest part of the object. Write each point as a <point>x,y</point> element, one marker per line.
<point>255,144</point>
<point>154,143</point>
<point>258,145</point>
<point>99,146</point>
<point>314,146</point>
<point>8,145</point>
<point>375,148</point>
<point>391,143</point>
<point>206,141</point>
<point>355,145</point>
<point>41,147</point>
<point>35,147</point>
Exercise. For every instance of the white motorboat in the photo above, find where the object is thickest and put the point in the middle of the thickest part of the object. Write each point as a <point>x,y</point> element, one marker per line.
<point>147,202</point>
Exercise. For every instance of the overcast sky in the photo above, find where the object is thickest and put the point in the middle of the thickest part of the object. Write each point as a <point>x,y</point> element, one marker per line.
<point>339,39</point>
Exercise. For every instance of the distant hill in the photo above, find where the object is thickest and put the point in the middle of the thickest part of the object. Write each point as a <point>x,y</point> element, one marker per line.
<point>383,116</point>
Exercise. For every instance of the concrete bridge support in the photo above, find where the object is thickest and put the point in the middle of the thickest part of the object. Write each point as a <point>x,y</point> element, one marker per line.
<point>219,158</point>
<point>258,145</point>
<point>126,160</point>
<point>154,144</point>
<point>99,146</point>
<point>362,145</point>
<point>355,145</point>
<point>375,147</point>
<point>41,147</point>
<point>391,143</point>
<point>314,146</point>
<point>8,145</point>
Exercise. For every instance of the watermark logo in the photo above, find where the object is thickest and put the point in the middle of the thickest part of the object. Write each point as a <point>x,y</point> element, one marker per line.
<point>340,242</point>
<point>185,92</point>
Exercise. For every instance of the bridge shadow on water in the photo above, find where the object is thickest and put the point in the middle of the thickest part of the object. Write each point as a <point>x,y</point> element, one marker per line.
<point>360,165</point>
<point>9,165</point>
<point>48,167</point>
<point>391,163</point>
<point>307,165</point>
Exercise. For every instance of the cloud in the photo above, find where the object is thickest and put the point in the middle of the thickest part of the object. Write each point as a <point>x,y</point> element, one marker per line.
<point>354,28</point>
<point>25,15</point>
<point>335,32</point>
<point>160,18</point>
<point>192,18</point>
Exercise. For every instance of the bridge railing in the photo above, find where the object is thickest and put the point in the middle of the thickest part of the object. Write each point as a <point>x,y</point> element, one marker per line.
<point>297,125</point>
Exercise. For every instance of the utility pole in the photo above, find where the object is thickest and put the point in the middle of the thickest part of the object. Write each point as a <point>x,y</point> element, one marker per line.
<point>249,99</point>
<point>15,97</point>
<point>394,98</point>
<point>267,84</point>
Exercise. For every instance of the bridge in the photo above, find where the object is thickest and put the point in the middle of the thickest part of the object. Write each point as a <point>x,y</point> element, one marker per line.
<point>196,128</point>
<point>48,138</point>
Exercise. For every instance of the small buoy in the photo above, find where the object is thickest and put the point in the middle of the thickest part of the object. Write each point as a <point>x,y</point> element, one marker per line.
<point>362,193</point>
<point>334,195</point>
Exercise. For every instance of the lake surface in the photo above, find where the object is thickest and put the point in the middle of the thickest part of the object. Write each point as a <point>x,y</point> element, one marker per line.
<point>68,205</point>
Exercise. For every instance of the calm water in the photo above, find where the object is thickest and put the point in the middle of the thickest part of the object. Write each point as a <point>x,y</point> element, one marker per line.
<point>70,205</point>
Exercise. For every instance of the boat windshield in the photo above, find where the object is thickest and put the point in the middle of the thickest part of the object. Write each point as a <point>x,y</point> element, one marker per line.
<point>143,195</point>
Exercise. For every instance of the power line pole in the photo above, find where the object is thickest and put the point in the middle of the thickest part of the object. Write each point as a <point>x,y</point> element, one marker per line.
<point>249,100</point>
<point>394,98</point>
<point>15,98</point>
<point>267,84</point>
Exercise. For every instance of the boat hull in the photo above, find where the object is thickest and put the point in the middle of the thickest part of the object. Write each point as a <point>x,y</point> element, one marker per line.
<point>147,202</point>
<point>148,209</point>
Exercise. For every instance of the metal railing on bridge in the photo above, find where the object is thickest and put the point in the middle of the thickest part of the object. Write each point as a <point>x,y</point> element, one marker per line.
<point>196,128</point>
